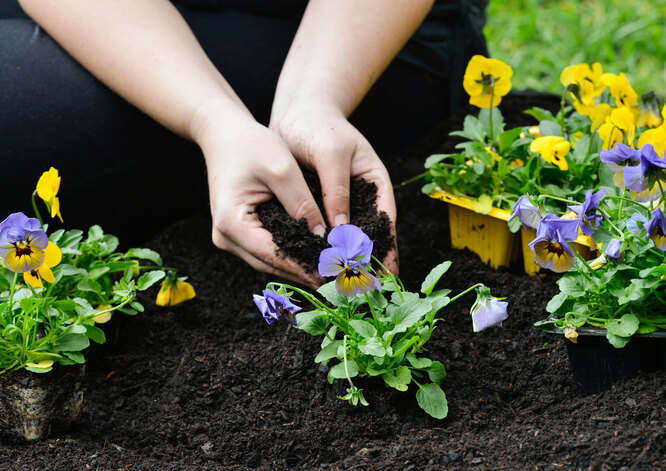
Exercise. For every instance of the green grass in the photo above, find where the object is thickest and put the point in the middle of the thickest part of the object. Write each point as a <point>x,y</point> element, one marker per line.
<point>539,38</point>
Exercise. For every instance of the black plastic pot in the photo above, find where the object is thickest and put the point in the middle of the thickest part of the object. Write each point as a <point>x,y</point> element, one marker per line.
<point>32,405</point>
<point>596,365</point>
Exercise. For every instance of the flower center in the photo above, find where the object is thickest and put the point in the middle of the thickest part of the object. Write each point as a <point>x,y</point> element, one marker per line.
<point>23,250</point>
<point>554,247</point>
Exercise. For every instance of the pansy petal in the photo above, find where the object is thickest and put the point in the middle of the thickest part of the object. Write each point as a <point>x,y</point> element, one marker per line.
<point>352,241</point>
<point>489,314</point>
<point>331,262</point>
<point>351,282</point>
<point>32,277</point>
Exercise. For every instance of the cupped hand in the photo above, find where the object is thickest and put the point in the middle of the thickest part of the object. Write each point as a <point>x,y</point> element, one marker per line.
<point>247,165</point>
<point>323,140</point>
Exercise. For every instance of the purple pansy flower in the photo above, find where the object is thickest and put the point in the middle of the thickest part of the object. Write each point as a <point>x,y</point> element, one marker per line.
<point>526,212</point>
<point>22,243</point>
<point>347,260</point>
<point>551,245</point>
<point>617,159</point>
<point>587,212</point>
<point>487,310</point>
<point>632,223</point>
<point>614,249</point>
<point>274,307</point>
<point>642,178</point>
<point>656,229</point>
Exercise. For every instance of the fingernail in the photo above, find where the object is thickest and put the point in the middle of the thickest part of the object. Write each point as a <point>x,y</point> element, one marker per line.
<point>341,219</point>
<point>319,230</point>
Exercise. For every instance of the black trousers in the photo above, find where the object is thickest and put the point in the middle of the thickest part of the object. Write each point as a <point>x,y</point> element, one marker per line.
<point>124,171</point>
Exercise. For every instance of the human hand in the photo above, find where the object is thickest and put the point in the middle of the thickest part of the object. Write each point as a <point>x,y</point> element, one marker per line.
<point>247,165</point>
<point>322,139</point>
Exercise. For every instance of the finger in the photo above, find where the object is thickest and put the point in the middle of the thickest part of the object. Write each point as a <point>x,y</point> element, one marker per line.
<point>255,246</point>
<point>332,165</point>
<point>287,183</point>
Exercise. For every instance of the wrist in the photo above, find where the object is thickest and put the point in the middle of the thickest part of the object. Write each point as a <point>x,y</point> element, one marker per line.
<point>217,115</point>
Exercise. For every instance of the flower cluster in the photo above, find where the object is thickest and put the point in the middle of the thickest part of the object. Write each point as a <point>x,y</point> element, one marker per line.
<point>623,289</point>
<point>560,156</point>
<point>371,324</point>
<point>55,289</point>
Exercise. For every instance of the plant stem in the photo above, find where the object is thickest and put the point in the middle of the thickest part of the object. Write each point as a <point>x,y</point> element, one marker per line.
<point>490,118</point>
<point>34,207</point>
<point>580,257</point>
<point>344,358</point>
<point>372,309</point>
<point>466,291</point>
<point>11,293</point>
<point>619,211</point>
<point>412,180</point>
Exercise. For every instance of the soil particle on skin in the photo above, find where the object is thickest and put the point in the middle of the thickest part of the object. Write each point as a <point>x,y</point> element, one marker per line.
<point>208,385</point>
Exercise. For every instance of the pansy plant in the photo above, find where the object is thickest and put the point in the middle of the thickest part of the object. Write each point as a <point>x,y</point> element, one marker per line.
<point>559,156</point>
<point>371,325</point>
<point>55,288</point>
<point>623,290</point>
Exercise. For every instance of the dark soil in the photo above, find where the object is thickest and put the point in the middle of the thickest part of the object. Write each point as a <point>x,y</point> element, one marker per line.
<point>209,385</point>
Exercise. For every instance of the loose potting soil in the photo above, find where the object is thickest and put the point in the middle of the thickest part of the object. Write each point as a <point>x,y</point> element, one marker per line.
<point>208,385</point>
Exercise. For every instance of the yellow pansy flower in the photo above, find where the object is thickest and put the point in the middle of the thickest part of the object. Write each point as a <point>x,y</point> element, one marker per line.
<point>174,292</point>
<point>486,81</point>
<point>618,127</point>
<point>52,257</point>
<point>104,317</point>
<point>599,114</point>
<point>553,149</point>
<point>585,85</point>
<point>42,365</point>
<point>621,90</point>
<point>495,155</point>
<point>47,189</point>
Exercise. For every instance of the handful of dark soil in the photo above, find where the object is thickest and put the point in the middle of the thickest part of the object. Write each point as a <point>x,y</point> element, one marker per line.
<point>294,239</point>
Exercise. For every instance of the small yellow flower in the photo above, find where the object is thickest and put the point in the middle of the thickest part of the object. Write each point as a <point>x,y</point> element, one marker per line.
<point>618,127</point>
<point>47,189</point>
<point>585,85</point>
<point>599,114</point>
<point>52,257</point>
<point>42,365</point>
<point>104,317</point>
<point>495,155</point>
<point>553,149</point>
<point>621,89</point>
<point>174,292</point>
<point>571,334</point>
<point>598,262</point>
<point>486,81</point>
<point>656,136</point>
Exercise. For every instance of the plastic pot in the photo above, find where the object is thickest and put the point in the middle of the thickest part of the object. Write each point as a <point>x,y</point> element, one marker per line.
<point>487,235</point>
<point>32,404</point>
<point>596,365</point>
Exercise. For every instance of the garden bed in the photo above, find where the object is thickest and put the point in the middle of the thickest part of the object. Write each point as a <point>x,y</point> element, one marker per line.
<point>209,385</point>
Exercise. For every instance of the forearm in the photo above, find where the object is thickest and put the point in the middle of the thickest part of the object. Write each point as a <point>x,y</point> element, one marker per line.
<point>343,46</point>
<point>145,52</point>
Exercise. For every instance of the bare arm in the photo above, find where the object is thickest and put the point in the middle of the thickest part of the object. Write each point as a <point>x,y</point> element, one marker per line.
<point>145,51</point>
<point>340,50</point>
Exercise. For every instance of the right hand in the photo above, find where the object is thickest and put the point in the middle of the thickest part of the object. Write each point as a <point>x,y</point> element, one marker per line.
<point>248,164</point>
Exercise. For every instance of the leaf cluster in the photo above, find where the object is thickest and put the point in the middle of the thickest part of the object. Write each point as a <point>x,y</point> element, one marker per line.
<point>57,322</point>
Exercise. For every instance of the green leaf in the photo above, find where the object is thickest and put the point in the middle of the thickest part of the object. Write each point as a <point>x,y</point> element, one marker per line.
<point>550,128</point>
<point>363,328</point>
<point>646,329</point>
<point>507,138</point>
<point>372,346</point>
<point>328,352</point>
<point>377,299</point>
<point>76,357</point>
<point>312,322</point>
<point>617,341</point>
<point>556,301</point>
<point>89,285</point>
<point>432,399</point>
<point>540,114</point>
<point>71,342</point>
<point>435,159</point>
<point>408,314</point>
<point>574,285</point>
<point>148,279</point>
<point>136,305</point>
<point>95,334</point>
<point>331,295</point>
<point>338,371</point>
<point>419,363</point>
<point>626,326</point>
<point>38,370</point>
<point>29,304</point>
<point>398,378</point>
<point>97,272</point>
<point>144,254</point>
<point>433,277</point>
<point>437,372</point>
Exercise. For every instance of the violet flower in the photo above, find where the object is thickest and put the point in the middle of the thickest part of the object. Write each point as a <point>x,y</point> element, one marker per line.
<point>527,213</point>
<point>275,306</point>
<point>617,159</point>
<point>22,243</point>
<point>632,223</point>
<point>487,310</point>
<point>614,249</point>
<point>587,212</point>
<point>656,229</point>
<point>551,245</point>
<point>347,260</point>
<point>642,178</point>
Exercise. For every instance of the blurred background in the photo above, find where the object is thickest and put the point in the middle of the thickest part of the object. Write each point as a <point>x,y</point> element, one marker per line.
<point>539,38</point>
